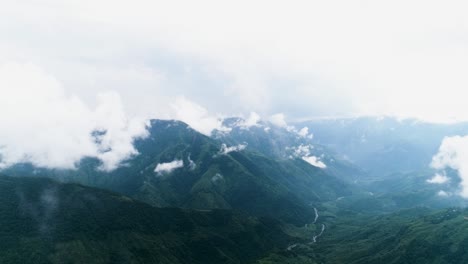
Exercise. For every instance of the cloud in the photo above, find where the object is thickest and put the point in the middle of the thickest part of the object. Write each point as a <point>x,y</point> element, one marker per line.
<point>439,179</point>
<point>226,150</point>
<point>453,153</point>
<point>304,132</point>
<point>278,120</point>
<point>197,117</point>
<point>252,120</point>
<point>315,161</point>
<point>192,165</point>
<point>117,140</point>
<point>304,152</point>
<point>47,127</point>
<point>301,150</point>
<point>41,210</point>
<point>442,193</point>
<point>326,54</point>
<point>217,178</point>
<point>168,167</point>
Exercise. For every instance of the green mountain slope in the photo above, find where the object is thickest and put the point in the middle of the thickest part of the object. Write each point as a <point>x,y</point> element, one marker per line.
<point>207,178</point>
<point>42,221</point>
<point>409,236</point>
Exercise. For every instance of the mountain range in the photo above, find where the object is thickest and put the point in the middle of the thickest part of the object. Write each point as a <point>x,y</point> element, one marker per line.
<point>310,192</point>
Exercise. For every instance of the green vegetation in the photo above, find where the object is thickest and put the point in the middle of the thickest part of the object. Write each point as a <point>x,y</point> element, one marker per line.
<point>410,236</point>
<point>253,206</point>
<point>42,221</point>
<point>247,181</point>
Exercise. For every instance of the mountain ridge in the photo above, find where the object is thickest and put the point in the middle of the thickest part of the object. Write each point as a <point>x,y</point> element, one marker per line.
<point>236,180</point>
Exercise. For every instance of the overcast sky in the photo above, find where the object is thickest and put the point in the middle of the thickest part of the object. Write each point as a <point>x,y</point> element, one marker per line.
<point>122,61</point>
<point>302,58</point>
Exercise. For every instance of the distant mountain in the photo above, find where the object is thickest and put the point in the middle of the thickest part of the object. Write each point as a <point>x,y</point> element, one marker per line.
<point>386,189</point>
<point>289,143</point>
<point>42,221</point>
<point>403,191</point>
<point>383,146</point>
<point>179,167</point>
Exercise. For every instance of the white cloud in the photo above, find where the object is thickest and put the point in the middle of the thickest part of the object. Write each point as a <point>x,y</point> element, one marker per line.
<point>304,132</point>
<point>453,153</point>
<point>301,150</point>
<point>192,164</point>
<point>226,150</point>
<point>439,179</point>
<point>334,57</point>
<point>323,58</point>
<point>168,167</point>
<point>315,161</point>
<point>442,193</point>
<point>196,116</point>
<point>251,121</point>
<point>304,152</point>
<point>119,131</point>
<point>278,120</point>
<point>44,125</point>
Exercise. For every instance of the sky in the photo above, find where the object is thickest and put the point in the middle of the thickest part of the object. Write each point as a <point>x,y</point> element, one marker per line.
<point>301,58</point>
<point>111,64</point>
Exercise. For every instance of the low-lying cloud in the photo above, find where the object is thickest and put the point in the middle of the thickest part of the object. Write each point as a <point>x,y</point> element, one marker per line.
<point>41,210</point>
<point>439,179</point>
<point>226,150</point>
<point>197,116</point>
<point>252,120</point>
<point>168,167</point>
<point>304,132</point>
<point>45,126</point>
<point>278,120</point>
<point>217,178</point>
<point>453,154</point>
<point>192,165</point>
<point>304,152</point>
<point>315,161</point>
<point>442,193</point>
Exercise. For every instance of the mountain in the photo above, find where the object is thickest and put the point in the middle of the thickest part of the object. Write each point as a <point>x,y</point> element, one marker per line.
<point>250,194</point>
<point>179,167</point>
<point>404,191</point>
<point>411,236</point>
<point>42,221</point>
<point>383,146</point>
<point>289,143</point>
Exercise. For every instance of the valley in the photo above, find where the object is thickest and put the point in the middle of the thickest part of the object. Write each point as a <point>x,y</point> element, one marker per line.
<point>233,132</point>
<point>245,196</point>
